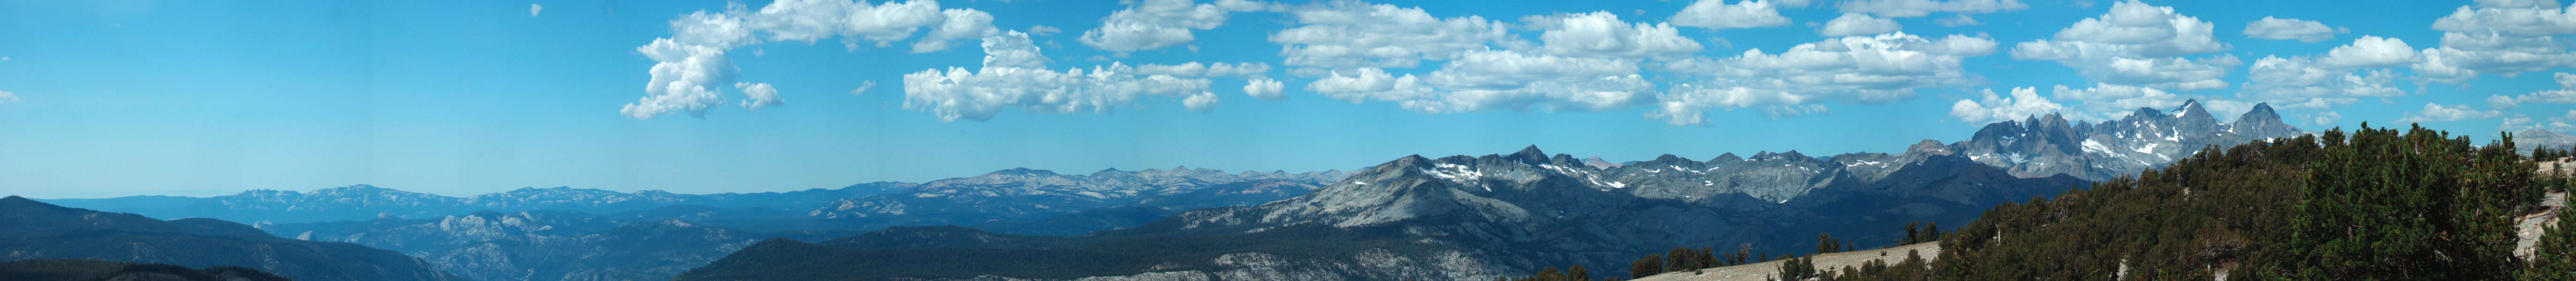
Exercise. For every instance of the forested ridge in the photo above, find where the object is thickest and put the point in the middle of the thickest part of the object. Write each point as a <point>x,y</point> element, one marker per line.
<point>2371,204</point>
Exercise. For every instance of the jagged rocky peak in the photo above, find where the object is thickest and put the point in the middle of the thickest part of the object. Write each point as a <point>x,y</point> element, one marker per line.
<point>1529,155</point>
<point>2263,122</point>
<point>2194,119</point>
<point>1729,157</point>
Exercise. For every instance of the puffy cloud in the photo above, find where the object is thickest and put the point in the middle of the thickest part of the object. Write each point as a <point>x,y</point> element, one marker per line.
<point>2297,82</point>
<point>1205,70</point>
<point>2447,113</point>
<point>717,30</point>
<point>1201,102</point>
<point>2372,51</point>
<point>2289,29</point>
<point>8,97</point>
<point>961,24</point>
<point>1858,24</point>
<point>2025,101</point>
<point>1957,20</point>
<point>1917,8</point>
<point>979,95</point>
<point>1265,89</point>
<point>1499,80</point>
<point>683,78</point>
<point>1602,34</point>
<point>2503,37</point>
<point>534,8</point>
<point>2338,78</point>
<point>1153,24</point>
<point>2137,44</point>
<point>1349,34</point>
<point>1014,51</point>
<point>756,96</point>
<point>1716,14</point>
<point>690,66</point>
<point>1859,69</point>
<point>2565,94</point>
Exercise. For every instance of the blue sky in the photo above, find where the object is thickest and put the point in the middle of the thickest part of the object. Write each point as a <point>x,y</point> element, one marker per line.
<point>114,98</point>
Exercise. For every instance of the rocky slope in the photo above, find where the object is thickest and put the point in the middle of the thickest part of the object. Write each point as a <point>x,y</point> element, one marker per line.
<point>36,230</point>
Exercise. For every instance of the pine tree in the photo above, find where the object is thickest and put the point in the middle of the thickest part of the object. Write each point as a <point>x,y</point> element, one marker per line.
<point>1825,243</point>
<point>1649,265</point>
<point>1575,273</point>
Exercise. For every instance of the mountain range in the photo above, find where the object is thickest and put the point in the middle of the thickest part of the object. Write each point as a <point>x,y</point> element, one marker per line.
<point>1478,217</point>
<point>37,230</point>
<point>656,242</point>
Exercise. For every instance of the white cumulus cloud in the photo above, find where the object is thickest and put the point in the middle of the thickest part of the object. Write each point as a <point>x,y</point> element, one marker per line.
<point>1917,8</point>
<point>1265,89</point>
<point>2338,78</point>
<point>2502,37</point>
<point>1153,24</point>
<point>758,95</point>
<point>534,8</point>
<point>1602,34</point>
<point>690,66</point>
<point>2289,29</point>
<point>2565,94</point>
<point>959,93</point>
<point>1717,14</point>
<point>2024,102</point>
<point>2447,113</point>
<point>1858,24</point>
<point>1858,69</point>
<point>1498,80</point>
<point>684,77</point>
<point>1349,34</point>
<point>2139,45</point>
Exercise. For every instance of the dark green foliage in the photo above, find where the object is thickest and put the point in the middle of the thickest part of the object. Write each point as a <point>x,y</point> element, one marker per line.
<point>2184,222</point>
<point>1797,268</point>
<point>1649,265</point>
<point>2411,206</point>
<point>1687,259</point>
<point>1571,273</point>
<point>2378,204</point>
<point>95,270</point>
<point>1825,244</point>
